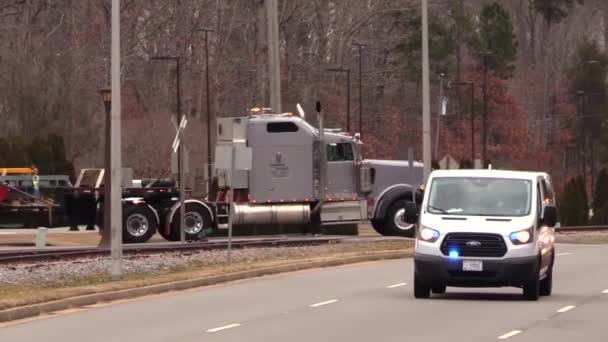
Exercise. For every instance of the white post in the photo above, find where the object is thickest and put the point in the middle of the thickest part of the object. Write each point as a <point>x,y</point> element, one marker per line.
<point>426,106</point>
<point>231,205</point>
<point>116,172</point>
<point>41,237</point>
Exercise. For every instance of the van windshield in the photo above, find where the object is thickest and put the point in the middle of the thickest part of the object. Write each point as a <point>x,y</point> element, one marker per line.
<point>480,196</point>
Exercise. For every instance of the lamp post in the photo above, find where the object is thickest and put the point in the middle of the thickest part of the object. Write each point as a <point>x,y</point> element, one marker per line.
<point>347,71</point>
<point>360,46</point>
<point>209,151</point>
<point>106,232</point>
<point>180,156</point>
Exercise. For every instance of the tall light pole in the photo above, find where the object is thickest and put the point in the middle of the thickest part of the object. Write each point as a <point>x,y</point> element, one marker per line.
<point>360,46</point>
<point>347,71</point>
<point>209,150</point>
<point>106,232</point>
<point>180,156</point>
<point>273,55</point>
<point>426,101</point>
<point>116,148</point>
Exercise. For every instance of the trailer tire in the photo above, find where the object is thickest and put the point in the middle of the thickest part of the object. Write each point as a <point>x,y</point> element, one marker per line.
<point>139,224</point>
<point>197,219</point>
<point>395,226</point>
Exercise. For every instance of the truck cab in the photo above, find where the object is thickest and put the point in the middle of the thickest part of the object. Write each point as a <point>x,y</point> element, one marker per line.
<point>283,170</point>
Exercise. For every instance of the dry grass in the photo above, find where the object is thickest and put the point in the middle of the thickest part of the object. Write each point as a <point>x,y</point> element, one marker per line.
<point>20,296</point>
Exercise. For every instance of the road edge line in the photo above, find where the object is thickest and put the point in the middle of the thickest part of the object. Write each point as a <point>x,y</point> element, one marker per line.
<point>28,311</point>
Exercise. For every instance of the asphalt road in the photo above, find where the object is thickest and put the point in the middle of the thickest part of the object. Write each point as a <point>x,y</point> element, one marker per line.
<point>364,302</point>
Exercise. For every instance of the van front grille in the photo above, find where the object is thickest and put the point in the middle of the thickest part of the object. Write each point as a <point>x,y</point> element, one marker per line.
<point>474,245</point>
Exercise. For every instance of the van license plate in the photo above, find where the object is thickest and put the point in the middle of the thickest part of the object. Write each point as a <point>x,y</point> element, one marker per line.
<point>472,265</point>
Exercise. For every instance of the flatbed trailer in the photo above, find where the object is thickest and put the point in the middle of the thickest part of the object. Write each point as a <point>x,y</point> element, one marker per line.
<point>147,208</point>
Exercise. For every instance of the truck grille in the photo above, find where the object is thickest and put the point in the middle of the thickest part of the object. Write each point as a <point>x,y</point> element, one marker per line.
<point>474,245</point>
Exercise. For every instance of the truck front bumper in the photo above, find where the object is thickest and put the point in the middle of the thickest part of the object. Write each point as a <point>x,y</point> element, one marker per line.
<point>437,270</point>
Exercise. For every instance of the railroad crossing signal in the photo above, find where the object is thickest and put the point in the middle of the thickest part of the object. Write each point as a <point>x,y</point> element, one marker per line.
<point>180,129</point>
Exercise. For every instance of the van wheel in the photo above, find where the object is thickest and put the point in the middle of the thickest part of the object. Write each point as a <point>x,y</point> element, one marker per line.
<point>546,285</point>
<point>139,224</point>
<point>196,220</point>
<point>532,287</point>
<point>421,290</point>
<point>395,223</point>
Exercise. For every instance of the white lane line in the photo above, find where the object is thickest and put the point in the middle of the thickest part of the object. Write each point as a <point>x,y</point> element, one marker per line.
<point>223,328</point>
<point>563,254</point>
<point>396,285</point>
<point>509,335</point>
<point>566,308</point>
<point>605,292</point>
<point>324,303</point>
<point>8,233</point>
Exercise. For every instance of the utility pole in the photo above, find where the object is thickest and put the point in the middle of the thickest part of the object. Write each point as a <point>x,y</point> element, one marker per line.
<point>347,71</point>
<point>273,52</point>
<point>426,102</point>
<point>181,179</point>
<point>116,167</point>
<point>484,119</point>
<point>209,149</point>
<point>472,85</point>
<point>106,231</point>
<point>360,46</point>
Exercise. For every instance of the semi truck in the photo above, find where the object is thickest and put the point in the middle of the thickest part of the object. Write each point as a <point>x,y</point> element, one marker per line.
<point>269,169</point>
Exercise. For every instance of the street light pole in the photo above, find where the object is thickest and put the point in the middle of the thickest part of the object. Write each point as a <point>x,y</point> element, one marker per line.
<point>360,46</point>
<point>209,150</point>
<point>115,149</point>
<point>426,101</point>
<point>181,148</point>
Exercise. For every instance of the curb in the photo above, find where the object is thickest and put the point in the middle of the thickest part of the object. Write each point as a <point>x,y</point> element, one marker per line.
<point>33,310</point>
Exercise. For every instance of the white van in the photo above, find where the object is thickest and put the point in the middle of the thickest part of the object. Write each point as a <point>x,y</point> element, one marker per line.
<point>484,228</point>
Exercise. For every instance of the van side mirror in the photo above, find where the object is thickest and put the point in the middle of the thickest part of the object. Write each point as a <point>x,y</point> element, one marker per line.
<point>550,216</point>
<point>411,213</point>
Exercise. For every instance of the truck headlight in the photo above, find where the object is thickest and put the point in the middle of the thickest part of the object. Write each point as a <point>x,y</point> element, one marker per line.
<point>522,237</point>
<point>428,234</point>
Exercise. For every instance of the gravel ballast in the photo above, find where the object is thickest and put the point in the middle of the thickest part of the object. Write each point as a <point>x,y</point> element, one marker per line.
<point>58,273</point>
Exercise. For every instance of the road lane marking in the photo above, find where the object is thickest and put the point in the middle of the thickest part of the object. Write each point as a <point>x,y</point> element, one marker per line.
<point>563,254</point>
<point>605,292</point>
<point>396,285</point>
<point>324,303</point>
<point>509,335</point>
<point>8,233</point>
<point>566,308</point>
<point>223,328</point>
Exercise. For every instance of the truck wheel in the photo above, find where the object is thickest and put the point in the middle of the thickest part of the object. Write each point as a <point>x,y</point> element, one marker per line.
<point>196,219</point>
<point>139,224</point>
<point>395,224</point>
<point>379,227</point>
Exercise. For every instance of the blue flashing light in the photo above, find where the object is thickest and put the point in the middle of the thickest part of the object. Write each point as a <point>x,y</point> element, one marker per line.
<point>513,236</point>
<point>435,234</point>
<point>454,254</point>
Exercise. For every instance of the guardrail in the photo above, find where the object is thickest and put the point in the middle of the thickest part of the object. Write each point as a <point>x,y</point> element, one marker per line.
<point>581,229</point>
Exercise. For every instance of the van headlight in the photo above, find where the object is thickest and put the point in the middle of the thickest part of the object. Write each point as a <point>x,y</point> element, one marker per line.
<point>428,234</point>
<point>522,237</point>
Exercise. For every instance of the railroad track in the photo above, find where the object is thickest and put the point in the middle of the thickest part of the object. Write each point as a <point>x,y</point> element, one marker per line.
<point>50,253</point>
